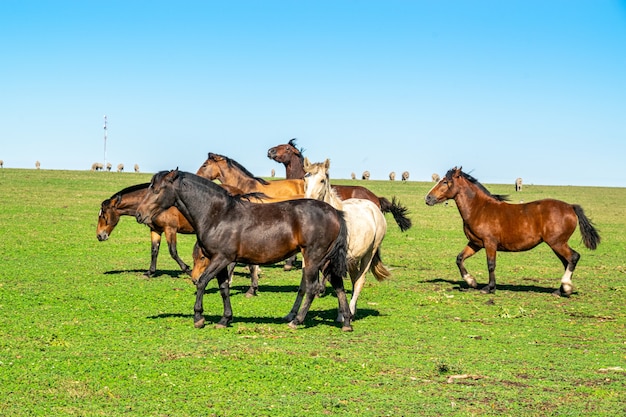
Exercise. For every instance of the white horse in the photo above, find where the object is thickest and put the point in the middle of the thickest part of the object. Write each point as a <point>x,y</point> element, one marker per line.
<point>366,228</point>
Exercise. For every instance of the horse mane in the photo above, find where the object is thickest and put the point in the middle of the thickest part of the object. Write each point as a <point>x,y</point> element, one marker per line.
<point>299,152</point>
<point>498,197</point>
<point>215,187</point>
<point>126,190</point>
<point>233,163</point>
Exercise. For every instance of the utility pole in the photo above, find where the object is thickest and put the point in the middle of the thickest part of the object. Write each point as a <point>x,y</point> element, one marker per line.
<point>105,142</point>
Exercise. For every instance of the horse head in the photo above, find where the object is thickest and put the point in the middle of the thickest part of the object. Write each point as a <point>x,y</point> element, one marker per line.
<point>446,188</point>
<point>317,180</point>
<point>211,167</point>
<point>285,153</point>
<point>159,197</point>
<point>108,217</point>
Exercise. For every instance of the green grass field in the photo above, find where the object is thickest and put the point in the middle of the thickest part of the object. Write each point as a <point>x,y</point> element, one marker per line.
<point>84,333</point>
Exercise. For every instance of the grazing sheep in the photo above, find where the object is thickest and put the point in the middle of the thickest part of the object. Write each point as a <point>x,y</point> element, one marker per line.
<point>97,166</point>
<point>273,173</point>
<point>109,166</point>
<point>1,163</point>
<point>120,167</point>
<point>405,176</point>
<point>435,177</point>
<point>392,176</point>
<point>518,184</point>
<point>353,176</point>
<point>366,175</point>
<point>136,168</point>
<point>37,164</point>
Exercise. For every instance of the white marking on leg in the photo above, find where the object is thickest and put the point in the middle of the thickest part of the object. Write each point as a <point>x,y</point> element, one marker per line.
<point>470,280</point>
<point>566,282</point>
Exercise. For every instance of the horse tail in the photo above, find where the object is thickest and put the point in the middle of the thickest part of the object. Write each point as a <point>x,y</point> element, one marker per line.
<point>378,268</point>
<point>591,237</point>
<point>337,258</point>
<point>398,211</point>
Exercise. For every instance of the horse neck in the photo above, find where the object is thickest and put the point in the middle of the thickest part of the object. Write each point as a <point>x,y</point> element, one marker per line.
<point>234,177</point>
<point>294,168</point>
<point>470,199</point>
<point>129,203</point>
<point>329,196</point>
<point>212,201</point>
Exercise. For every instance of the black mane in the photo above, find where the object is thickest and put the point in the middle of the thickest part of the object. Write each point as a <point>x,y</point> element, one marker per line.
<point>499,197</point>
<point>299,152</point>
<point>232,162</point>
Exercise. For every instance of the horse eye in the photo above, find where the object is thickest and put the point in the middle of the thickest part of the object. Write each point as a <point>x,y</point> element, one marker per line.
<point>307,175</point>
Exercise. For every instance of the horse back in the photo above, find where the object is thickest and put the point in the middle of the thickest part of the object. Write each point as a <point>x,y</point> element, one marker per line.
<point>345,192</point>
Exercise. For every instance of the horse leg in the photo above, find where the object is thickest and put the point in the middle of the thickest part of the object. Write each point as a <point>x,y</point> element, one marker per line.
<point>357,276</point>
<point>227,316</point>
<point>298,302</point>
<point>491,267</point>
<point>344,308</point>
<point>569,258</point>
<point>254,281</point>
<point>290,263</point>
<point>155,238</point>
<point>209,273</point>
<point>170,236</point>
<point>468,251</point>
<point>309,286</point>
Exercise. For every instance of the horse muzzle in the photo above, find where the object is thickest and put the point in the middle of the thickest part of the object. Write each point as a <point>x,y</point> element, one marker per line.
<point>143,219</point>
<point>431,200</point>
<point>271,153</point>
<point>102,236</point>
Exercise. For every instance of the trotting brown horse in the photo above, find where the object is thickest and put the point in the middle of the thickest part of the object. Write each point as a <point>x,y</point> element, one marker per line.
<point>490,222</point>
<point>293,160</point>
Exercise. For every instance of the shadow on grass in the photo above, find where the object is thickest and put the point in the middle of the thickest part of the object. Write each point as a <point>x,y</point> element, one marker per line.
<point>172,273</point>
<point>462,286</point>
<point>314,318</point>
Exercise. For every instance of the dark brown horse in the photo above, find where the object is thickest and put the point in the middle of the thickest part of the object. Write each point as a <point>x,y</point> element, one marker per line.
<point>231,229</point>
<point>290,156</point>
<point>170,222</point>
<point>490,222</point>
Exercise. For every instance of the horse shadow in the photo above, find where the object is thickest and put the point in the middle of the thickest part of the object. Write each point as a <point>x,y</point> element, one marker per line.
<point>313,319</point>
<point>461,285</point>
<point>172,273</point>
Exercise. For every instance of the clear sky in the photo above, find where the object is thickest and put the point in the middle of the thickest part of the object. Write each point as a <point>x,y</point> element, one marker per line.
<point>506,89</point>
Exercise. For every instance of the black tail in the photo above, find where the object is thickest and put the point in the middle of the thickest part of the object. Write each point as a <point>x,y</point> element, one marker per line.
<point>399,212</point>
<point>591,237</point>
<point>338,255</point>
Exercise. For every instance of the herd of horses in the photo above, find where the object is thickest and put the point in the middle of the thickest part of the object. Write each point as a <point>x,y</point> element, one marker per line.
<point>337,229</point>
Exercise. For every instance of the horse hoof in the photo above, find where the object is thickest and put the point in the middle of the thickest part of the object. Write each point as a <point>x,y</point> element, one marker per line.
<point>287,267</point>
<point>488,290</point>
<point>292,325</point>
<point>346,329</point>
<point>220,326</point>
<point>289,317</point>
<point>199,324</point>
<point>250,294</point>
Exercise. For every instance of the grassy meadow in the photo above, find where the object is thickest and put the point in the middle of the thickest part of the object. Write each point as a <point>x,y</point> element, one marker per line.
<point>84,333</point>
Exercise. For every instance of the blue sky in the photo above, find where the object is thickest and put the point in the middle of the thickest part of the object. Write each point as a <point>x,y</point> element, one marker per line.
<point>505,89</point>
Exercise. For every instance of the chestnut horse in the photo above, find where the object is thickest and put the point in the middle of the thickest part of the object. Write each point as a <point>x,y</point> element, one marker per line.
<point>490,222</point>
<point>231,172</point>
<point>366,228</point>
<point>231,229</point>
<point>290,156</point>
<point>170,222</point>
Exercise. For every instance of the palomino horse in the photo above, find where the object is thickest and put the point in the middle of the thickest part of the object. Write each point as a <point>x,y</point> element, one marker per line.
<point>290,156</point>
<point>231,229</point>
<point>170,222</point>
<point>366,228</point>
<point>491,223</point>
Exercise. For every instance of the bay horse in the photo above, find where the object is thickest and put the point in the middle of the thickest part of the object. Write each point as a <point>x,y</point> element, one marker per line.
<point>170,222</point>
<point>491,223</point>
<point>232,229</point>
<point>293,160</point>
<point>366,228</point>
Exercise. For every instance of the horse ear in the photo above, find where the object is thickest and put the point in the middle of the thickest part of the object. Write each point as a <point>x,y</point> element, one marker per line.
<point>306,163</point>
<point>327,164</point>
<point>172,175</point>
